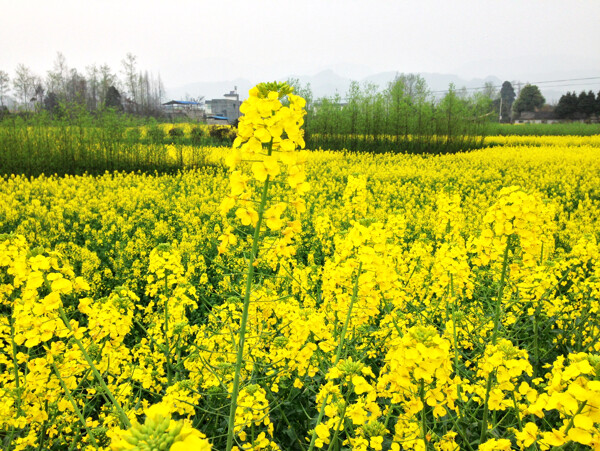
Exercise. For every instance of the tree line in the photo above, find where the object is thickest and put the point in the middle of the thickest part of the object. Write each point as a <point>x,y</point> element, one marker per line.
<point>97,87</point>
<point>404,116</point>
<point>508,104</point>
<point>571,106</point>
<point>577,107</point>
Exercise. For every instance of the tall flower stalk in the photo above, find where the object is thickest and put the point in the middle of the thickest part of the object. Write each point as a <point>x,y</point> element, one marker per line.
<point>268,135</point>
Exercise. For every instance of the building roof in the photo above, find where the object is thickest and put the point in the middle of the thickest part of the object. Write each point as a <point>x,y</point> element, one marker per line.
<point>181,102</point>
<point>228,101</point>
<point>538,115</point>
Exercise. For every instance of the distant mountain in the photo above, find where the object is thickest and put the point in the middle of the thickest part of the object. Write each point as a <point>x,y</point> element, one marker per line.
<point>534,68</point>
<point>325,83</point>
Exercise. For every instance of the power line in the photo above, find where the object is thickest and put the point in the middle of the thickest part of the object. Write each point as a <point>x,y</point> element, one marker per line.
<point>573,84</point>
<point>535,82</point>
<point>568,79</point>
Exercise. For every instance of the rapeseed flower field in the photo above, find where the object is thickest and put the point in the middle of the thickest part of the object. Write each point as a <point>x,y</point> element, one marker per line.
<point>297,300</point>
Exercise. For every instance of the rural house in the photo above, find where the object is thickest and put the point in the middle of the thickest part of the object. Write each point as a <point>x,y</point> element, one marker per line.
<point>228,107</point>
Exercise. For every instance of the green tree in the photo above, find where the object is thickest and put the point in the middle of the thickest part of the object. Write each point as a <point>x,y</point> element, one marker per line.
<point>93,83</point>
<point>586,103</point>
<point>131,77</point>
<point>507,98</point>
<point>567,106</point>
<point>113,99</point>
<point>24,84</point>
<point>484,101</point>
<point>52,103</point>
<point>57,78</point>
<point>530,98</point>
<point>107,79</point>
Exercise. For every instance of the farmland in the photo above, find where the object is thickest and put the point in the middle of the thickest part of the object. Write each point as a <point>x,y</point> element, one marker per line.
<point>386,301</point>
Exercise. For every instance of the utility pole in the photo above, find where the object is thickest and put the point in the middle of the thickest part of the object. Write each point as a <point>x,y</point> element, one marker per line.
<point>500,113</point>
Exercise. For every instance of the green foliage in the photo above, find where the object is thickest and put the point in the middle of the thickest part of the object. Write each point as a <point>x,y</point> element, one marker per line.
<point>52,104</point>
<point>113,99</point>
<point>402,118</point>
<point>586,103</point>
<point>75,143</point>
<point>530,98</point>
<point>176,132</point>
<point>156,134</point>
<point>572,106</point>
<point>220,133</point>
<point>507,97</point>
<point>196,135</point>
<point>575,128</point>
<point>567,106</point>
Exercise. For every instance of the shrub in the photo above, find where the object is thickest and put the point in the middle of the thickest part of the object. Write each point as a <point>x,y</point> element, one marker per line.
<point>176,132</point>
<point>220,132</point>
<point>156,134</point>
<point>196,135</point>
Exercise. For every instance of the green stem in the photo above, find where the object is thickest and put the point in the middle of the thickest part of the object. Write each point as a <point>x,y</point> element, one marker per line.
<point>536,345</point>
<point>572,420</point>
<point>168,345</point>
<point>334,439</point>
<point>285,418</point>
<point>571,423</point>
<point>501,292</point>
<point>244,320</point>
<point>74,404</point>
<point>423,417</point>
<point>454,333</point>
<point>514,400</point>
<point>15,366</point>
<point>74,442</point>
<point>497,311</point>
<point>124,420</point>
<point>484,422</point>
<point>42,438</point>
<point>337,355</point>
<point>456,363</point>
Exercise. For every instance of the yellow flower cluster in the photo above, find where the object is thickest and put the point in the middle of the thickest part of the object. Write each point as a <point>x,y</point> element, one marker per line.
<point>253,412</point>
<point>573,391</point>
<point>355,197</point>
<point>268,134</point>
<point>38,284</point>
<point>535,141</point>
<point>501,367</point>
<point>352,397</point>
<point>521,215</point>
<point>418,373</point>
<point>383,313</point>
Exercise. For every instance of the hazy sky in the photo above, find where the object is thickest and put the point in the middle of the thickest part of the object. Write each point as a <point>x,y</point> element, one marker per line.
<point>197,40</point>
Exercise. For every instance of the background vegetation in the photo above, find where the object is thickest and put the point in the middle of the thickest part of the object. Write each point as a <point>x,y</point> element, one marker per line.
<point>404,117</point>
